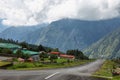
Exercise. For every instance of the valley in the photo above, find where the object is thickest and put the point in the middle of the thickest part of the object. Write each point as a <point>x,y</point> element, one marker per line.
<point>59,39</point>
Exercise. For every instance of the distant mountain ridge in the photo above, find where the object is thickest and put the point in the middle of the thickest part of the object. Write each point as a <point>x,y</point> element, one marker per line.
<point>19,33</point>
<point>107,47</point>
<point>2,28</point>
<point>66,33</point>
<point>72,34</point>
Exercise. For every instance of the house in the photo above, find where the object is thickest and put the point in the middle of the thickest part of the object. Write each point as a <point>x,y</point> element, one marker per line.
<point>56,53</point>
<point>30,59</point>
<point>35,57</point>
<point>21,60</point>
<point>67,56</point>
<point>63,55</point>
<point>42,52</point>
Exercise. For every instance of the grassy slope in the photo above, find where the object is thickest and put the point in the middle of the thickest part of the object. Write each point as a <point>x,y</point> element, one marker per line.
<point>106,71</point>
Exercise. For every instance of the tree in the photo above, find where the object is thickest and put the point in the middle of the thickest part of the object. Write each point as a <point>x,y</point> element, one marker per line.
<point>0,50</point>
<point>24,45</point>
<point>41,48</point>
<point>48,50</point>
<point>25,56</point>
<point>7,51</point>
<point>78,54</point>
<point>43,56</point>
<point>53,57</point>
<point>56,50</point>
<point>19,53</point>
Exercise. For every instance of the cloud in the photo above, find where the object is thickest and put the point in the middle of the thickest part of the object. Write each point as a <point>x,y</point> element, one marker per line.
<point>33,12</point>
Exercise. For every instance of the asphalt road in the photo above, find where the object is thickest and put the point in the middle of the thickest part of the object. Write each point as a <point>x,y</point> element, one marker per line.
<point>74,73</point>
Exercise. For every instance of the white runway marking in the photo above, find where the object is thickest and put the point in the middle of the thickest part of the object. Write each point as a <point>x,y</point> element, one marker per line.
<point>52,75</point>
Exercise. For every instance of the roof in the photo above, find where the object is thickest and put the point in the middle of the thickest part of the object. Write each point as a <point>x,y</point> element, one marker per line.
<point>67,56</point>
<point>31,59</point>
<point>55,53</point>
<point>20,59</point>
<point>9,45</point>
<point>27,52</point>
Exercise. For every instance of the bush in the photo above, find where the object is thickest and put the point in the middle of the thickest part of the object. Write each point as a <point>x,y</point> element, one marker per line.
<point>23,65</point>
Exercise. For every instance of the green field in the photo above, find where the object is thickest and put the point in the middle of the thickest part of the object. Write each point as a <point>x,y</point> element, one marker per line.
<point>4,63</point>
<point>38,65</point>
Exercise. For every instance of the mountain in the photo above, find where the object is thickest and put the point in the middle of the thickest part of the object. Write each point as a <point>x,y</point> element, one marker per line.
<point>19,33</point>
<point>2,28</point>
<point>72,34</point>
<point>107,47</point>
<point>64,34</point>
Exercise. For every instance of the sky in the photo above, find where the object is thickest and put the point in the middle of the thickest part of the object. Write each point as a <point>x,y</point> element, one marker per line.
<point>33,12</point>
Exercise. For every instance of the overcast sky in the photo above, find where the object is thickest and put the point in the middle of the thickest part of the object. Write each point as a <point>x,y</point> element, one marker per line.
<point>32,12</point>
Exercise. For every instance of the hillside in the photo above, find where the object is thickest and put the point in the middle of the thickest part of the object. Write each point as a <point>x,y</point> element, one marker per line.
<point>2,28</point>
<point>107,47</point>
<point>64,34</point>
<point>19,33</point>
<point>72,34</point>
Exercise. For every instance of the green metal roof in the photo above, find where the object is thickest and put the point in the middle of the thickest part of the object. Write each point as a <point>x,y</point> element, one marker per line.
<point>9,45</point>
<point>29,52</point>
<point>26,52</point>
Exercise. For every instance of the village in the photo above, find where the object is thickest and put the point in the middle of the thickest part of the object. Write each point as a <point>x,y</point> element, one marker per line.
<point>20,56</point>
<point>29,57</point>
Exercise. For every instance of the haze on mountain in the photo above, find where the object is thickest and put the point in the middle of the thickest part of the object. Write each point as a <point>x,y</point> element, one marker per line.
<point>68,34</point>
<point>2,27</point>
<point>64,34</point>
<point>107,47</point>
<point>20,33</point>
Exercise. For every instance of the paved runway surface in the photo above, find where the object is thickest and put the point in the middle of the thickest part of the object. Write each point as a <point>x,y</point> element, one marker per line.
<point>75,73</point>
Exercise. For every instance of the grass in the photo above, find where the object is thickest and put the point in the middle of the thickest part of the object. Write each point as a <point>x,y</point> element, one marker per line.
<point>116,78</point>
<point>61,60</point>
<point>2,63</point>
<point>33,66</point>
<point>106,71</point>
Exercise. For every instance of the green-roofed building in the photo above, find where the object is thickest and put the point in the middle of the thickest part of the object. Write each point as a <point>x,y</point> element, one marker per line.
<point>27,52</point>
<point>34,55</point>
<point>10,46</point>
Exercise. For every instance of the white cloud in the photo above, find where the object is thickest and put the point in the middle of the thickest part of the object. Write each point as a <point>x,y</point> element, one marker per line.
<point>32,12</point>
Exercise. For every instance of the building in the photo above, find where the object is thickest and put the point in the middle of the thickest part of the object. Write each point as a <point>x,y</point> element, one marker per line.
<point>56,53</point>
<point>67,56</point>
<point>35,57</point>
<point>21,60</point>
